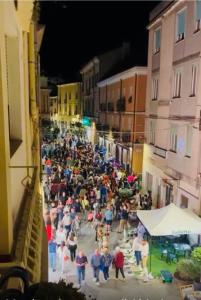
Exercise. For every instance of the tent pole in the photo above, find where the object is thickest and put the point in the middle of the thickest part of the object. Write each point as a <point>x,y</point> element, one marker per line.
<point>150,247</point>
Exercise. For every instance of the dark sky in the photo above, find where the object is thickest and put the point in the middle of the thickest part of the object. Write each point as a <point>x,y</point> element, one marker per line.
<point>77,31</point>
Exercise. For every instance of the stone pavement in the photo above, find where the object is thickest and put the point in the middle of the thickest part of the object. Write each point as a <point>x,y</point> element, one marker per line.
<point>132,289</point>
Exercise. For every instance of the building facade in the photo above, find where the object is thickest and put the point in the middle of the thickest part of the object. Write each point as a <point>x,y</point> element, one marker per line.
<point>122,116</point>
<point>21,223</point>
<point>94,71</point>
<point>171,167</point>
<point>44,105</point>
<point>69,104</point>
<point>53,108</point>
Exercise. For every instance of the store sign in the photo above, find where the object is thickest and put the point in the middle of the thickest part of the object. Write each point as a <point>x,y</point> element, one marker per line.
<point>86,122</point>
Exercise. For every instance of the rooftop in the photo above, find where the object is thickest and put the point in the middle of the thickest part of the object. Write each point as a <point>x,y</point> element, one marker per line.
<point>158,10</point>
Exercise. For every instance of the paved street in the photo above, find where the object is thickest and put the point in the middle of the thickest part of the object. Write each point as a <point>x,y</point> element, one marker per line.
<point>133,288</point>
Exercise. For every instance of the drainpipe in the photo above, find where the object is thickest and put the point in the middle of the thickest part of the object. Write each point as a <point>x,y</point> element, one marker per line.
<point>133,127</point>
<point>32,78</point>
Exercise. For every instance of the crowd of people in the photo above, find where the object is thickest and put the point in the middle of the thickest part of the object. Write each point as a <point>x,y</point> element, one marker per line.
<point>82,188</point>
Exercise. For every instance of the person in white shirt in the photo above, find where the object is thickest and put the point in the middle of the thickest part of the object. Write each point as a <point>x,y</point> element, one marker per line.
<point>137,250</point>
<point>60,235</point>
<point>62,254</point>
<point>144,253</point>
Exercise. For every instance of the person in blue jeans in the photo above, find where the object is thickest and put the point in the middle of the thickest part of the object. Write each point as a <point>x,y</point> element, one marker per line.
<point>81,261</point>
<point>106,260</point>
<point>52,250</point>
<point>137,250</point>
<point>96,263</point>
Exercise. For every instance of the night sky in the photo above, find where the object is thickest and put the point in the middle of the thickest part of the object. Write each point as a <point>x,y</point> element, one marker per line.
<point>77,31</point>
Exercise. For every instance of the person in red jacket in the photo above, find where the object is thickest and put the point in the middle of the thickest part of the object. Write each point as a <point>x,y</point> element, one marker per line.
<point>118,262</point>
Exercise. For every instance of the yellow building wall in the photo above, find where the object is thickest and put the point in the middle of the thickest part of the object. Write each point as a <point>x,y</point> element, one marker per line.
<point>68,103</point>
<point>19,127</point>
<point>137,160</point>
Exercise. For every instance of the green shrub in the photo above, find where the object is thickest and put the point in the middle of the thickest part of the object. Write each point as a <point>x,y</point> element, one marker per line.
<point>125,193</point>
<point>188,269</point>
<point>196,255</point>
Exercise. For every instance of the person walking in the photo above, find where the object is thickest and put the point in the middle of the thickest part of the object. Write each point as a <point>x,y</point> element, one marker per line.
<point>72,245</point>
<point>108,218</point>
<point>60,235</point>
<point>106,260</point>
<point>67,221</point>
<point>96,263</point>
<point>118,262</point>
<point>145,254</point>
<point>62,252</point>
<point>81,261</point>
<point>52,250</point>
<point>137,250</point>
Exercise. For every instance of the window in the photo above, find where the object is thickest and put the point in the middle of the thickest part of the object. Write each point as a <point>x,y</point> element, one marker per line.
<point>197,15</point>
<point>193,80</point>
<point>131,90</point>
<point>177,84</point>
<point>157,40</point>
<point>154,89</point>
<point>69,96</point>
<point>152,132</point>
<point>76,95</point>
<point>189,133</point>
<point>69,113</point>
<point>118,93</point>
<point>180,25</point>
<point>173,138</point>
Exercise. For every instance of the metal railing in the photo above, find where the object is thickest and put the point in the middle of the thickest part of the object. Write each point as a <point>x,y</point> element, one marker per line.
<point>28,248</point>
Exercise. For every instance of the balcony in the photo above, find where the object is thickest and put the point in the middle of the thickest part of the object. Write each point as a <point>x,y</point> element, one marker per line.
<point>30,243</point>
<point>160,152</point>
<point>116,133</point>
<point>121,104</point>
<point>126,137</point>
<point>103,107</point>
<point>110,106</point>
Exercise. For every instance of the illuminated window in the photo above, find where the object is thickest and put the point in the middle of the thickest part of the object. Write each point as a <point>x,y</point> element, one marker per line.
<point>177,84</point>
<point>193,80</point>
<point>157,40</point>
<point>180,25</point>
<point>197,15</point>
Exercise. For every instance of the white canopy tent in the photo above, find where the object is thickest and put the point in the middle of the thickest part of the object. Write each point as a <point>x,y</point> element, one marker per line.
<point>170,220</point>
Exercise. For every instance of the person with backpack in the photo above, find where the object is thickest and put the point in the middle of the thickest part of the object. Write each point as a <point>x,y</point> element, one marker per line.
<point>106,261</point>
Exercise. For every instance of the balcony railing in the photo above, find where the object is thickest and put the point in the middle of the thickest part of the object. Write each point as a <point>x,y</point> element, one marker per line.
<point>116,133</point>
<point>121,104</point>
<point>160,152</point>
<point>126,137</point>
<point>110,106</point>
<point>103,107</point>
<point>29,232</point>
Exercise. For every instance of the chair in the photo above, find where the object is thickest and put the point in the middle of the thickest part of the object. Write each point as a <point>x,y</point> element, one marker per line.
<point>171,257</point>
<point>186,290</point>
